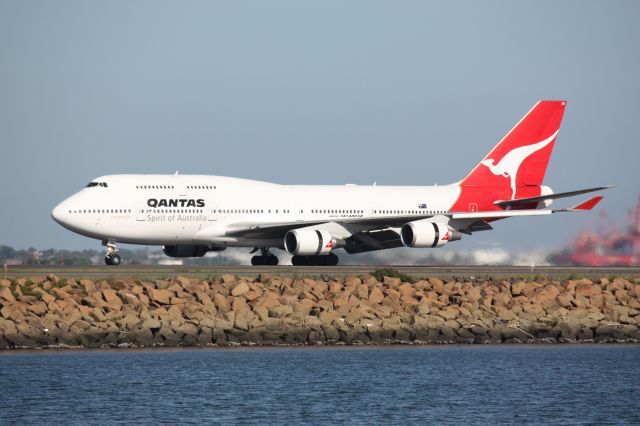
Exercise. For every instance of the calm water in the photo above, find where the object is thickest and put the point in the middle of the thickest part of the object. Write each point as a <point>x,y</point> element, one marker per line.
<point>452,384</point>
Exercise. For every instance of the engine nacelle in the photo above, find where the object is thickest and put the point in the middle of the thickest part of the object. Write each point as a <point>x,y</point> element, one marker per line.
<point>424,233</point>
<point>308,242</point>
<point>188,251</point>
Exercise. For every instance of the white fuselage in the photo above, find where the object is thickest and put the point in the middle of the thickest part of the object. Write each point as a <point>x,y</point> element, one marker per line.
<point>196,209</point>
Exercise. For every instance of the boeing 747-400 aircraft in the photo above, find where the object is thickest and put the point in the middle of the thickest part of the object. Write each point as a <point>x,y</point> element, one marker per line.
<point>191,214</point>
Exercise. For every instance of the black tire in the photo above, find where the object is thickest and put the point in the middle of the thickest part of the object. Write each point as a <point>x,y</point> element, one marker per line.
<point>319,260</point>
<point>112,259</point>
<point>268,260</point>
<point>298,260</point>
<point>332,260</point>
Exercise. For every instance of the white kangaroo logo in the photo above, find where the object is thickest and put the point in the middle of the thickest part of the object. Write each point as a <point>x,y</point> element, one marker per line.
<point>510,163</point>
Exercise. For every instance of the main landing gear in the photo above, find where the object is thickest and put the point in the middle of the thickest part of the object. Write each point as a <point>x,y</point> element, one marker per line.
<point>265,259</point>
<point>320,260</point>
<point>112,257</point>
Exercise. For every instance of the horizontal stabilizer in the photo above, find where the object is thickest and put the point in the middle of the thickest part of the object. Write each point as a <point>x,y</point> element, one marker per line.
<point>585,206</point>
<point>523,201</point>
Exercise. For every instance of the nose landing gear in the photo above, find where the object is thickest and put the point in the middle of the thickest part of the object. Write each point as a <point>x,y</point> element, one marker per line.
<point>265,259</point>
<point>112,257</point>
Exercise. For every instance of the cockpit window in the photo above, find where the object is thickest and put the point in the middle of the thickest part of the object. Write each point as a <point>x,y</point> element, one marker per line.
<point>103,184</point>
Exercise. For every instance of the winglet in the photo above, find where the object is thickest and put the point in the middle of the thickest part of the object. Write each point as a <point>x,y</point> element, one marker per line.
<point>587,205</point>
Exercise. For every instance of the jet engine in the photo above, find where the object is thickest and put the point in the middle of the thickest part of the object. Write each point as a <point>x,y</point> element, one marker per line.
<point>307,242</point>
<point>188,251</point>
<point>424,233</point>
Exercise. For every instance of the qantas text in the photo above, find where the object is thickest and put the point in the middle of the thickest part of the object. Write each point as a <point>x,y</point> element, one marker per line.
<point>153,202</point>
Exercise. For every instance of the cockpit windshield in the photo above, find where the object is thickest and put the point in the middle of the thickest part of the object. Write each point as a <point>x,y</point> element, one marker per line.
<point>90,184</point>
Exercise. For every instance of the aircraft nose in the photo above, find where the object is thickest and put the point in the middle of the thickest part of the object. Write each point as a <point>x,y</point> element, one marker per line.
<point>59,213</point>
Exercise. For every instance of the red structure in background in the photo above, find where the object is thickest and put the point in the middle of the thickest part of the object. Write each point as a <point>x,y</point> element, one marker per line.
<point>607,245</point>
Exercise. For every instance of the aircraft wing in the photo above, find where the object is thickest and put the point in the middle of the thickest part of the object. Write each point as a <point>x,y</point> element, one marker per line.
<point>362,235</point>
<point>279,229</point>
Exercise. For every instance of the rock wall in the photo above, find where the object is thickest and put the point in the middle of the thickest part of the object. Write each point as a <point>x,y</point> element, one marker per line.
<point>47,312</point>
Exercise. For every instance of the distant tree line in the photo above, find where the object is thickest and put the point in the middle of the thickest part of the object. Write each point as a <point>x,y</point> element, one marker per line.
<point>144,256</point>
<point>51,256</point>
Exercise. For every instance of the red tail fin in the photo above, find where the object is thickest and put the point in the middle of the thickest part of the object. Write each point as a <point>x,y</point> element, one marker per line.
<point>516,166</point>
<point>523,154</point>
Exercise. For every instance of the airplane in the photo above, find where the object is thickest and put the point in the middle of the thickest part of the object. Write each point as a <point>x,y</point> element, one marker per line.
<point>190,215</point>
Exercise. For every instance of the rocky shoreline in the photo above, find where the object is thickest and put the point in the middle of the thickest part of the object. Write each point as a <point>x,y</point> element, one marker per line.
<point>48,312</point>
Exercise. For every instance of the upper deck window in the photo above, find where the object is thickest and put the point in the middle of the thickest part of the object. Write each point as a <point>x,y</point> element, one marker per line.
<point>103,184</point>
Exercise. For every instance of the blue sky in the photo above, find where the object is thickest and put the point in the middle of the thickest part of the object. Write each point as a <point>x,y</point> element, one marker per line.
<point>401,93</point>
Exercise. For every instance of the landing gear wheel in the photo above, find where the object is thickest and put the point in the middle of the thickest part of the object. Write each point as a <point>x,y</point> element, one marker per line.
<point>268,260</point>
<point>331,260</point>
<point>298,260</point>
<point>320,260</point>
<point>112,259</point>
<point>265,259</point>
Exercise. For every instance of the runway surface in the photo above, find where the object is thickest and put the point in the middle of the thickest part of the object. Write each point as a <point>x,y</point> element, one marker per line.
<point>158,271</point>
